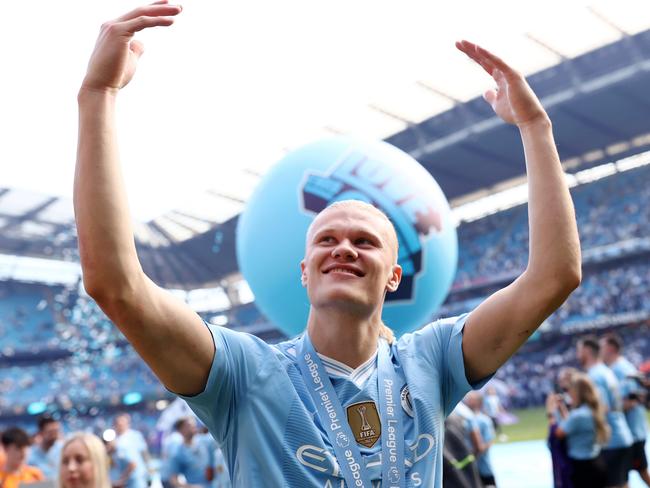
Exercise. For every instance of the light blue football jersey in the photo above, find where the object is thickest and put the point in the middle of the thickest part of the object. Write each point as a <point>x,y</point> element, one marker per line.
<point>486,427</point>
<point>257,407</point>
<point>609,393</point>
<point>580,429</point>
<point>635,416</point>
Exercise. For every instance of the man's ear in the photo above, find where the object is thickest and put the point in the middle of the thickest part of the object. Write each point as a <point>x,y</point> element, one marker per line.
<point>303,273</point>
<point>395,278</point>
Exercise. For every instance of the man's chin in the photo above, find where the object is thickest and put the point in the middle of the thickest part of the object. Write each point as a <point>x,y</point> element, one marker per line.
<point>344,301</point>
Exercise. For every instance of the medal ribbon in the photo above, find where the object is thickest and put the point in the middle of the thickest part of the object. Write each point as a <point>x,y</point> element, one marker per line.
<point>336,425</point>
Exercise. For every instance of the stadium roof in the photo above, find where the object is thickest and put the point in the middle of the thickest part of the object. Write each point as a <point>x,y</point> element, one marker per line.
<point>597,100</point>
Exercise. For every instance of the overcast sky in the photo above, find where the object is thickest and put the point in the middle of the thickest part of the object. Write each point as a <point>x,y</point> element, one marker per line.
<point>235,84</point>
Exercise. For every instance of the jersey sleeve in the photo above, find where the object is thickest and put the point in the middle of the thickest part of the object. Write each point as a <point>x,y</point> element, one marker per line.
<point>575,422</point>
<point>440,345</point>
<point>237,362</point>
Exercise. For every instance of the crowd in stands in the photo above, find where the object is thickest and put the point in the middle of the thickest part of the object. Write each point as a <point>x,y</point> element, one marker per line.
<point>606,290</point>
<point>97,366</point>
<point>610,210</point>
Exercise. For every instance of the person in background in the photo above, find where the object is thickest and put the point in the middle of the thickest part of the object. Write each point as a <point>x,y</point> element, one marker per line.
<point>492,407</point>
<point>216,471</point>
<point>460,465</point>
<point>633,400</point>
<point>559,456</point>
<point>16,471</point>
<point>189,459</point>
<point>585,429</point>
<point>618,452</point>
<point>133,441</point>
<point>483,438</point>
<point>45,453</point>
<point>84,462</point>
<point>169,446</point>
<point>3,456</point>
<point>459,468</point>
<point>123,464</point>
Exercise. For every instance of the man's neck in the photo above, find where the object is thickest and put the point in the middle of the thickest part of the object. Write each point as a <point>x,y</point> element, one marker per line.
<point>589,363</point>
<point>349,340</point>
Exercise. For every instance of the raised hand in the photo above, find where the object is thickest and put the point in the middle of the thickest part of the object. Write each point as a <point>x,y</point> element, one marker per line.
<point>114,59</point>
<point>512,100</point>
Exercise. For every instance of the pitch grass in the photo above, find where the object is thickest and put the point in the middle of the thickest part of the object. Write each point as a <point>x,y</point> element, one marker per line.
<point>532,425</point>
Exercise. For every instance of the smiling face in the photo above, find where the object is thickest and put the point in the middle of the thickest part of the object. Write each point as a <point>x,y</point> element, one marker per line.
<point>350,259</point>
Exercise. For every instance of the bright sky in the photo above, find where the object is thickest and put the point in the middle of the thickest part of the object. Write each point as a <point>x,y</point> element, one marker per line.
<point>234,85</point>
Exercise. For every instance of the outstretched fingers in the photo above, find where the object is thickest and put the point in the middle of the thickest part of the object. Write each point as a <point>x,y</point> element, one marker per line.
<point>491,63</point>
<point>144,22</point>
<point>157,9</point>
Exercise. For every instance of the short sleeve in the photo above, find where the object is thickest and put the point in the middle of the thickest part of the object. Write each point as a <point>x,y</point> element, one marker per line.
<point>237,362</point>
<point>574,423</point>
<point>442,344</point>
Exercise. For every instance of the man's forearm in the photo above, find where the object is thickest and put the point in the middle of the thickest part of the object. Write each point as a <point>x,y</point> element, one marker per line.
<point>106,245</point>
<point>554,254</point>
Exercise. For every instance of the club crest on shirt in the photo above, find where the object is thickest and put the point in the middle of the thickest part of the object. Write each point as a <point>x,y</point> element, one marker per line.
<point>405,400</point>
<point>364,422</point>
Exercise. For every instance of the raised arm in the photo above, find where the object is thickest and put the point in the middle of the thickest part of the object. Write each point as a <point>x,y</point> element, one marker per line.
<point>503,322</point>
<point>168,335</point>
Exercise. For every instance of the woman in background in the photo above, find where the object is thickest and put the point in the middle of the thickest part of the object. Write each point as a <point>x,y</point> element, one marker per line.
<point>84,462</point>
<point>585,430</point>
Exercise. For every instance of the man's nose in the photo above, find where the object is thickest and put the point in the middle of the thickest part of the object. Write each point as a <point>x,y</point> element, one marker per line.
<point>344,250</point>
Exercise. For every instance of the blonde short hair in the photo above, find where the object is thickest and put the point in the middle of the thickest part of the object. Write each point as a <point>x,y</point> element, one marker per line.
<point>98,458</point>
<point>359,204</point>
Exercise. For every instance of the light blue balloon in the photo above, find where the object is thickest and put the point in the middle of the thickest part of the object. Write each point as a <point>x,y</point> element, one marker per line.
<point>271,230</point>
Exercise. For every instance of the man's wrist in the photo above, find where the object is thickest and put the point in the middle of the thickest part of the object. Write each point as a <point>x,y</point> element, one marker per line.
<point>90,94</point>
<point>540,123</point>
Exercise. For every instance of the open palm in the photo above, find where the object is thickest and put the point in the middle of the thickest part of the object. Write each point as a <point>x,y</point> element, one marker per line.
<point>512,100</point>
<point>114,59</point>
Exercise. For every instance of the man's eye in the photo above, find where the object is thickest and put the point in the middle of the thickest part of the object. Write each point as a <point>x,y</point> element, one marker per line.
<point>362,241</point>
<point>327,239</point>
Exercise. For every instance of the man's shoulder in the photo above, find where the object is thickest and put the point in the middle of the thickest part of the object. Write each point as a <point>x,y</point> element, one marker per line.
<point>438,331</point>
<point>624,365</point>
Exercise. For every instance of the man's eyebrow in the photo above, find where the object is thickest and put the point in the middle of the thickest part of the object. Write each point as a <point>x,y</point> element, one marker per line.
<point>373,235</point>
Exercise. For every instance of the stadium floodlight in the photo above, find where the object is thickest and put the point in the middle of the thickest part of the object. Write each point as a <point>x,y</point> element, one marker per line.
<point>132,398</point>
<point>36,408</point>
<point>109,435</point>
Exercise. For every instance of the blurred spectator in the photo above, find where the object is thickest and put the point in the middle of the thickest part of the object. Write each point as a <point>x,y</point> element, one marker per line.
<point>123,465</point>
<point>131,440</point>
<point>217,471</point>
<point>45,453</point>
<point>633,400</point>
<point>189,459</point>
<point>483,441</point>
<point>585,429</point>
<point>84,462</point>
<point>618,452</point>
<point>16,472</point>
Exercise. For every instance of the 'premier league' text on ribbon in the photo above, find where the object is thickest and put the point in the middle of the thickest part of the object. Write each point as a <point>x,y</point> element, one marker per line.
<point>335,423</point>
<point>392,422</point>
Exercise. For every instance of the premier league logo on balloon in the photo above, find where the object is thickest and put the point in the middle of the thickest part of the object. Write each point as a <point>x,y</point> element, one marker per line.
<point>271,231</point>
